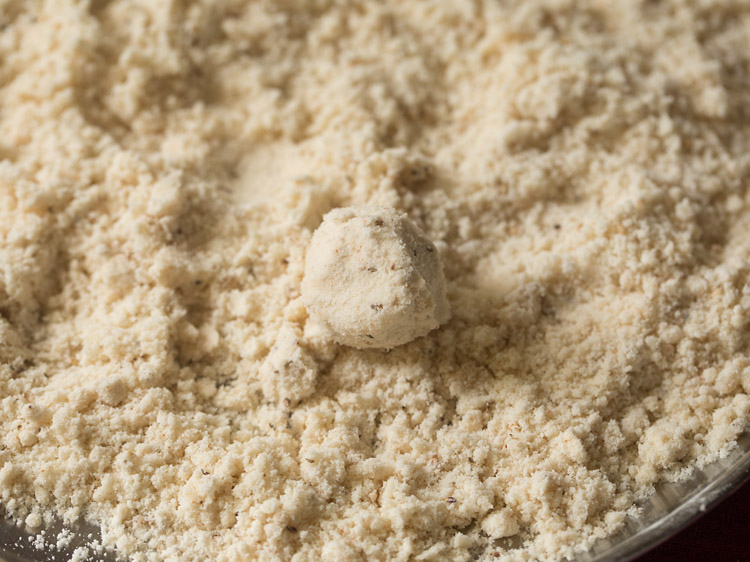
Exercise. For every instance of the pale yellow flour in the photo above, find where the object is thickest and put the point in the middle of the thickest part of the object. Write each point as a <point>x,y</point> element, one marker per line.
<point>581,167</point>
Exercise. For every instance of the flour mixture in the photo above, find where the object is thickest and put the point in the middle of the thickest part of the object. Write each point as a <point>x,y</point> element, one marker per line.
<point>582,168</point>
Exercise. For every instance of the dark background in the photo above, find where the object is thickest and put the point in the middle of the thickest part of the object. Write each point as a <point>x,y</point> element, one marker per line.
<point>722,535</point>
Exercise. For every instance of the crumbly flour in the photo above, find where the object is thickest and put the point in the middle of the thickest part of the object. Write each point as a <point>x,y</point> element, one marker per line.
<point>582,167</point>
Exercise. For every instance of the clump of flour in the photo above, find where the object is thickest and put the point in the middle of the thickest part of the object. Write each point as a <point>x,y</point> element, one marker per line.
<point>373,279</point>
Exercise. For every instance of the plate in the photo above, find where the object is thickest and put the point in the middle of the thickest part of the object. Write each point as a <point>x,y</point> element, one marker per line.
<point>671,508</point>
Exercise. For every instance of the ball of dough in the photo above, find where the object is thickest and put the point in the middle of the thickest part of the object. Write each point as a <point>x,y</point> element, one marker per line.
<point>373,279</point>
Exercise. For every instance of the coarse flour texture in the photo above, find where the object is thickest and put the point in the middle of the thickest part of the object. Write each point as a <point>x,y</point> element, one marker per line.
<point>582,168</point>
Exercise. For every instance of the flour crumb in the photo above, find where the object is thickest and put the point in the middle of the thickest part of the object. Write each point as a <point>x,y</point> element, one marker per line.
<point>33,520</point>
<point>80,554</point>
<point>500,524</point>
<point>64,538</point>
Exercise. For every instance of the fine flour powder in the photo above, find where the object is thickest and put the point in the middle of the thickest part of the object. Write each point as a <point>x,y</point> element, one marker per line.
<point>582,168</point>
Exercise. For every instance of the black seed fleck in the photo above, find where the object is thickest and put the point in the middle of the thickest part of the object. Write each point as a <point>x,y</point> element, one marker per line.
<point>372,269</point>
<point>451,500</point>
<point>291,529</point>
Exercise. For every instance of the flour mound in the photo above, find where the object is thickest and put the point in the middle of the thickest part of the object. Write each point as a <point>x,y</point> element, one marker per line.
<point>583,169</point>
<point>373,279</point>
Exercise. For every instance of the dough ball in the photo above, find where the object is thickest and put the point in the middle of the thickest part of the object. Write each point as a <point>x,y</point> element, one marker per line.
<point>373,279</point>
